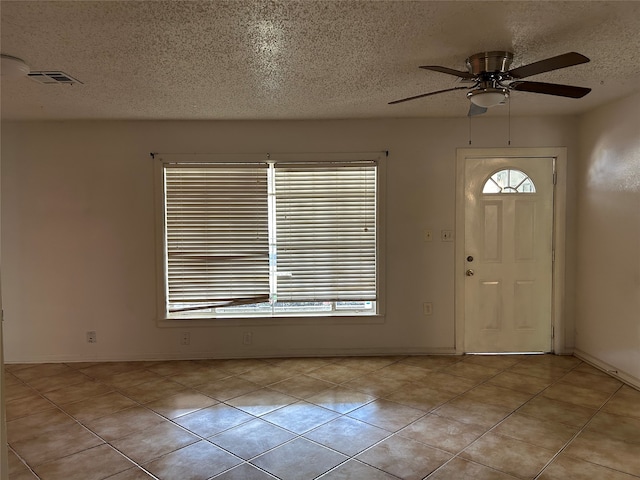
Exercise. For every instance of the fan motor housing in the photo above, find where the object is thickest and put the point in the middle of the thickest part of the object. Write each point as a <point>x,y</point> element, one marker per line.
<point>496,61</point>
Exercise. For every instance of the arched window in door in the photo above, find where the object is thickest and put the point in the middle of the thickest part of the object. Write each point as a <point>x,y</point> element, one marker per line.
<point>509,181</point>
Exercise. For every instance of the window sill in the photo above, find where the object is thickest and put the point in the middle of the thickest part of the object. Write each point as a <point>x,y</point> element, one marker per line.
<point>271,321</point>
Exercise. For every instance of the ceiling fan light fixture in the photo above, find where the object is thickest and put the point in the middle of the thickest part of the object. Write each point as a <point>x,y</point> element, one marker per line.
<point>488,97</point>
<point>489,71</point>
<point>13,66</point>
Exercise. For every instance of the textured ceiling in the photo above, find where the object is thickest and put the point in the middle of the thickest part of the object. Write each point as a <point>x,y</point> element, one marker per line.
<point>302,59</point>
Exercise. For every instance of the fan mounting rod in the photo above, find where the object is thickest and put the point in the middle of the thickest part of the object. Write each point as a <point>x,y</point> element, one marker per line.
<point>495,61</point>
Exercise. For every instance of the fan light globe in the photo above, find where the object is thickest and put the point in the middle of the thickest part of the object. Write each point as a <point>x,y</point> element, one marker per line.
<point>488,97</point>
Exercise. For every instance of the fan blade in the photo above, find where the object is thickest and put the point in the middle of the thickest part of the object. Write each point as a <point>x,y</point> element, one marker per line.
<point>550,89</point>
<point>553,63</point>
<point>475,110</point>
<point>428,94</point>
<point>450,71</point>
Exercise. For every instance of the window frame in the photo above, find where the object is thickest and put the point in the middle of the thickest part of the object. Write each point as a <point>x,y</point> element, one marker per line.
<point>508,190</point>
<point>162,316</point>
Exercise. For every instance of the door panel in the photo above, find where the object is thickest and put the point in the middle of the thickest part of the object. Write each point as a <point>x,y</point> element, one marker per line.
<point>524,304</point>
<point>508,235</point>
<point>492,251</point>
<point>490,305</point>
<point>524,231</point>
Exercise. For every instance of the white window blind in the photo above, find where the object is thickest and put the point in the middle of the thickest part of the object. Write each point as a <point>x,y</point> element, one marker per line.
<point>216,235</point>
<point>270,238</point>
<point>326,231</point>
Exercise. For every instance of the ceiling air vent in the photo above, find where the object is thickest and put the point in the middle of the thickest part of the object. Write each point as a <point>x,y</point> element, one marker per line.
<point>53,78</point>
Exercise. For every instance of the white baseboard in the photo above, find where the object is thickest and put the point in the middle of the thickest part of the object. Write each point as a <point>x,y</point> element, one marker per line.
<point>608,369</point>
<point>235,353</point>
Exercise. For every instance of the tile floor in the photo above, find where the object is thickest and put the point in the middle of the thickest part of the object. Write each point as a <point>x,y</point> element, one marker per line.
<point>376,418</point>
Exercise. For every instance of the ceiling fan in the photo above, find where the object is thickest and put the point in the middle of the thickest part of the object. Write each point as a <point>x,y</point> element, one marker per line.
<point>493,81</point>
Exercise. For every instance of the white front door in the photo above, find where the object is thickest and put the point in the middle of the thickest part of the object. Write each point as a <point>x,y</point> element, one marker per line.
<point>508,216</point>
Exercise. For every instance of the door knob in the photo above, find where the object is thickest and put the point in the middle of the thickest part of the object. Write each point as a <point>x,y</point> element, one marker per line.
<point>469,273</point>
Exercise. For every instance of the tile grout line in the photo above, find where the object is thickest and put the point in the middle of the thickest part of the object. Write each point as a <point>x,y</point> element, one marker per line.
<point>439,369</point>
<point>341,415</point>
<point>116,389</point>
<point>486,381</point>
<point>167,376</point>
<point>566,444</point>
<point>396,433</point>
<point>79,422</point>
<point>457,455</point>
<point>22,460</point>
<point>582,429</point>
<point>105,442</point>
<point>255,417</point>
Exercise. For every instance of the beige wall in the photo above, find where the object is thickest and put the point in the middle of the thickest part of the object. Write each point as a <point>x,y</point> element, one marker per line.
<point>78,232</point>
<point>608,261</point>
<point>4,459</point>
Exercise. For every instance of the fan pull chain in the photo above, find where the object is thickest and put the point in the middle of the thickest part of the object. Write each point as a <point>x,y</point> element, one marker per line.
<point>469,129</point>
<point>509,123</point>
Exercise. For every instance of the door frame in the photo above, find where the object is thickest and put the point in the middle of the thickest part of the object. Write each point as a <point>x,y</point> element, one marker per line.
<point>558,236</point>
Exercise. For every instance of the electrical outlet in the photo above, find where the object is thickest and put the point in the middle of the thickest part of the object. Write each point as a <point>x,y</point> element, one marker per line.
<point>186,338</point>
<point>427,308</point>
<point>446,235</point>
<point>247,338</point>
<point>92,337</point>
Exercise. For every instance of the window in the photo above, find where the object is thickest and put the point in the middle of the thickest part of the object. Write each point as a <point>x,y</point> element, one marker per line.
<point>270,238</point>
<point>509,181</point>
